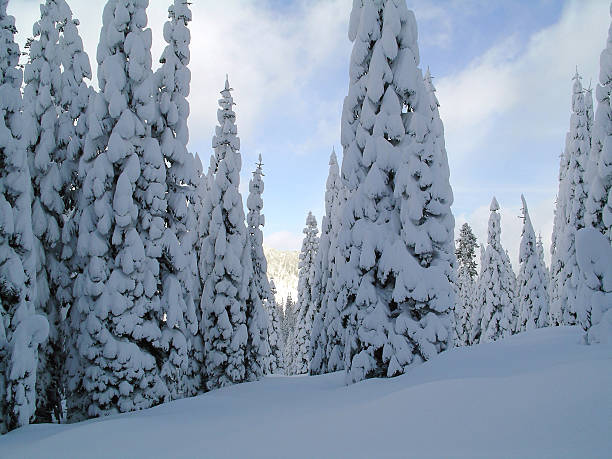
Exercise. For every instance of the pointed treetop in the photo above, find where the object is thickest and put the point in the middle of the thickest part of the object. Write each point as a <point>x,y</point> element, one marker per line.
<point>227,85</point>
<point>577,75</point>
<point>428,74</point>
<point>333,160</point>
<point>494,205</point>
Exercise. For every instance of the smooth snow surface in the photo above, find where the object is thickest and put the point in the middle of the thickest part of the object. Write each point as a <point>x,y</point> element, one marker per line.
<point>537,394</point>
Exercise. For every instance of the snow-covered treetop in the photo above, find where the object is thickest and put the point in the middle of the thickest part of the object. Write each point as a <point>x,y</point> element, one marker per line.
<point>225,138</point>
<point>10,73</point>
<point>494,205</point>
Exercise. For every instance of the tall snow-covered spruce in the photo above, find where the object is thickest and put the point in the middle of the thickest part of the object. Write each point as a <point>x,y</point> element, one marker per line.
<point>598,213</point>
<point>532,282</point>
<point>181,369</point>
<point>275,318</point>
<point>571,210</point>
<point>258,345</point>
<point>496,286</point>
<point>326,336</point>
<point>121,220</point>
<point>396,242</point>
<point>305,306</point>
<point>466,277</point>
<point>225,259</point>
<point>22,330</point>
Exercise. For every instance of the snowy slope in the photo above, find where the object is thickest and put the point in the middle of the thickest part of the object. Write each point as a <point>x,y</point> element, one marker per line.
<point>283,268</point>
<point>537,394</point>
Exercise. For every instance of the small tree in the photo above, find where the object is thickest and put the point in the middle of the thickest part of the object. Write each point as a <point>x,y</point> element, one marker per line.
<point>466,276</point>
<point>274,330</point>
<point>496,285</point>
<point>533,300</point>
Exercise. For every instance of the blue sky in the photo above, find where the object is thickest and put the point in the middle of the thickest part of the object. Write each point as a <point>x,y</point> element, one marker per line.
<point>503,71</point>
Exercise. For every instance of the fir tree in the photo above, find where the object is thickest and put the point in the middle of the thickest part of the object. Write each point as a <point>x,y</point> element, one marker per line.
<point>598,213</point>
<point>258,345</point>
<point>533,301</point>
<point>326,341</point>
<point>396,256</point>
<point>225,259</point>
<point>22,330</point>
<point>42,92</point>
<point>274,331</point>
<point>466,276</point>
<point>123,199</point>
<point>289,320</point>
<point>179,276</point>
<point>496,285</point>
<point>305,306</point>
<point>573,191</point>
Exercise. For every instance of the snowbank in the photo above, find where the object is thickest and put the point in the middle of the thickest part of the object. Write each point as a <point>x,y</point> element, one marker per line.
<point>541,393</point>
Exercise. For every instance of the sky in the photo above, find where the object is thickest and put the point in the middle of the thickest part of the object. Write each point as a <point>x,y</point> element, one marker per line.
<point>502,69</point>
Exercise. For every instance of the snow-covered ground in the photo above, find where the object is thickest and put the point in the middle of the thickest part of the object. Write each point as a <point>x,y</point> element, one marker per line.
<point>537,394</point>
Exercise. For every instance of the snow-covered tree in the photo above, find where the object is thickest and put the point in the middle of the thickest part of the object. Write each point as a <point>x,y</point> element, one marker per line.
<point>41,104</point>
<point>594,255</point>
<point>274,331</point>
<point>466,277</point>
<point>326,340</point>
<point>496,286</point>
<point>532,282</point>
<point>288,325</point>
<point>305,306</point>
<point>225,259</point>
<point>599,205</point>
<point>258,346</point>
<point>179,277</point>
<point>22,330</point>
<point>573,193</point>
<point>121,222</point>
<point>396,242</point>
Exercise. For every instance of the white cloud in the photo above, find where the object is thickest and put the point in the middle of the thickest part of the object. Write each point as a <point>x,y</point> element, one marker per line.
<point>533,81</point>
<point>540,212</point>
<point>283,240</point>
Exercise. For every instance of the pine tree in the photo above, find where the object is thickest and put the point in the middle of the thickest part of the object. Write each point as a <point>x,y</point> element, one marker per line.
<point>22,330</point>
<point>305,306</point>
<point>274,331</point>
<point>74,98</point>
<point>594,255</point>
<point>396,242</point>
<point>574,191</point>
<point>466,276</point>
<point>326,340</point>
<point>181,369</point>
<point>121,221</point>
<point>496,286</point>
<point>598,213</point>
<point>533,300</point>
<point>289,319</point>
<point>42,78</point>
<point>258,345</point>
<point>476,311</point>
<point>225,259</point>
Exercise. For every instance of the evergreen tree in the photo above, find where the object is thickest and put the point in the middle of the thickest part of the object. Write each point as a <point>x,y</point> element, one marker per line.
<point>476,311</point>
<point>598,213</point>
<point>181,368</point>
<point>533,301</point>
<point>225,259</point>
<point>305,306</point>
<point>121,221</point>
<point>396,255</point>
<point>466,276</point>
<point>496,285</point>
<point>274,331</point>
<point>326,341</point>
<point>22,330</point>
<point>41,105</point>
<point>594,255</point>
<point>74,98</point>
<point>258,345</point>
<point>574,191</point>
<point>288,333</point>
